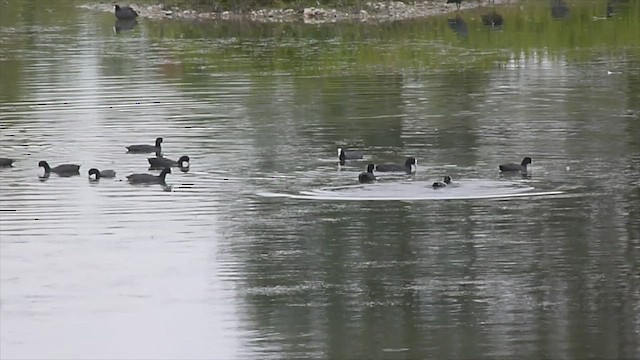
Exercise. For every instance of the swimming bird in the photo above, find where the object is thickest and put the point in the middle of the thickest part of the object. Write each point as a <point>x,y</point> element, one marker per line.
<point>492,19</point>
<point>458,2</point>
<point>410,166</point>
<point>367,177</point>
<point>142,149</point>
<point>102,174</point>
<point>162,162</point>
<point>348,155</point>
<point>125,13</point>
<point>62,170</point>
<point>516,167</point>
<point>6,162</point>
<point>148,178</point>
<point>440,184</point>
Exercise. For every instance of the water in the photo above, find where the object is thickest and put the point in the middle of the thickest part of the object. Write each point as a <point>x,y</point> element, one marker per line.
<point>266,248</point>
<point>419,190</point>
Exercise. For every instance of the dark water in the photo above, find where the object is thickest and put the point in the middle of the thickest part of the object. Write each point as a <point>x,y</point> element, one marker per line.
<point>265,247</point>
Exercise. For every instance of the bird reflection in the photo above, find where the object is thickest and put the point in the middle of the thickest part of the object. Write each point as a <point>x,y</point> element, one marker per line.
<point>458,26</point>
<point>514,175</point>
<point>124,25</point>
<point>559,9</point>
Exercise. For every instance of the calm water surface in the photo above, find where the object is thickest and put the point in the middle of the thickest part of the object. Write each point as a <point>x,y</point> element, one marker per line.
<point>254,252</point>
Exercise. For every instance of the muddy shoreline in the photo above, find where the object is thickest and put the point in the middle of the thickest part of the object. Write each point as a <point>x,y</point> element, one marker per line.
<point>370,12</point>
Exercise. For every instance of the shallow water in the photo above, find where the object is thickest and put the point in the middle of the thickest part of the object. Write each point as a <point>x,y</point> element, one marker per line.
<point>255,252</point>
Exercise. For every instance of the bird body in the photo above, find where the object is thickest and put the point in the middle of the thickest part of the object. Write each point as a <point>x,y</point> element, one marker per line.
<point>162,162</point>
<point>143,149</point>
<point>149,178</point>
<point>125,13</point>
<point>444,183</point>
<point>367,177</point>
<point>410,166</point>
<point>516,167</point>
<point>5,162</point>
<point>349,155</point>
<point>62,170</point>
<point>107,173</point>
<point>102,174</point>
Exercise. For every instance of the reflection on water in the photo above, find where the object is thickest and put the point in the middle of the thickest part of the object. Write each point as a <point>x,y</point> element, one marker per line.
<point>212,269</point>
<point>458,26</point>
<point>124,25</point>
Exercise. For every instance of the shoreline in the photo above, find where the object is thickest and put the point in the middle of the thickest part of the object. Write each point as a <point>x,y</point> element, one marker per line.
<point>370,12</point>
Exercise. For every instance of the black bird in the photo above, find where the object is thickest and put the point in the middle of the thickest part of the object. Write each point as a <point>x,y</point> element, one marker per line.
<point>410,166</point>
<point>455,1</point>
<point>367,177</point>
<point>6,162</point>
<point>348,155</point>
<point>439,184</point>
<point>62,170</point>
<point>516,167</point>
<point>148,178</point>
<point>102,174</point>
<point>143,149</point>
<point>125,13</point>
<point>159,162</point>
<point>492,19</point>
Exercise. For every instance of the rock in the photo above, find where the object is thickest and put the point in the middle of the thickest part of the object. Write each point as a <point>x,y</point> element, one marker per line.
<point>308,12</point>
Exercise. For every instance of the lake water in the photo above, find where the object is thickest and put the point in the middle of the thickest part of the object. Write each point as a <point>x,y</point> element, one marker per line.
<point>267,247</point>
